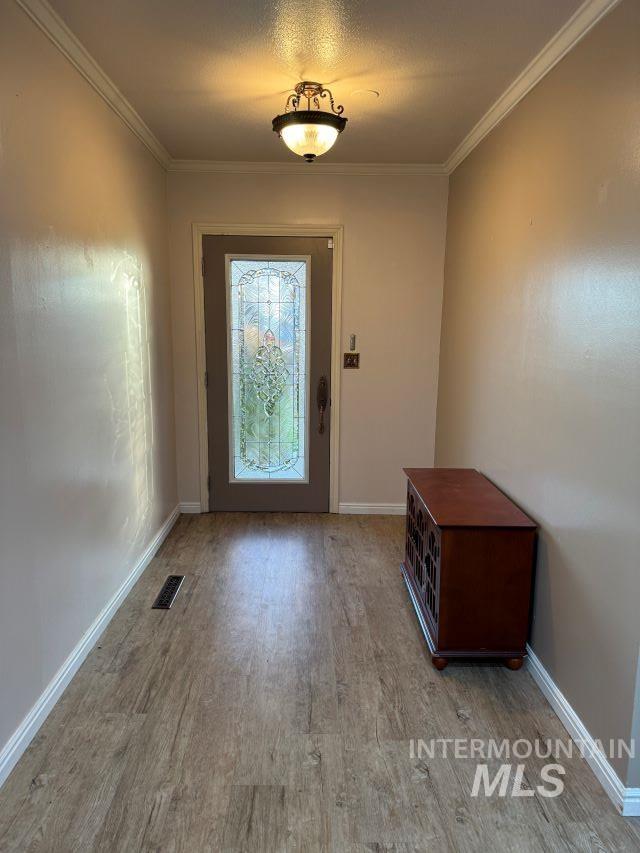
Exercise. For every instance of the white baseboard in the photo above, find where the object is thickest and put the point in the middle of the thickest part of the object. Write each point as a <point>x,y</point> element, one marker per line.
<point>190,507</point>
<point>372,509</point>
<point>21,738</point>
<point>626,800</point>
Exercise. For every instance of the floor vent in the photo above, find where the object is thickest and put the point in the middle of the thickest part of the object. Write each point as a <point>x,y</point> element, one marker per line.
<point>167,594</point>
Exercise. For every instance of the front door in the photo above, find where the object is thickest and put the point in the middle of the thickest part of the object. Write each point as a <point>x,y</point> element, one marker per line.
<point>268,341</point>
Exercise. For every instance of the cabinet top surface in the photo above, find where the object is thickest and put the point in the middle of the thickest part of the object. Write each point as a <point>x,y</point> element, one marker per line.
<point>463,497</point>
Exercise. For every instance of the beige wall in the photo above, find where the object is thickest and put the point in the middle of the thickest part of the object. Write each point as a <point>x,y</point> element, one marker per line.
<point>540,358</point>
<point>86,423</point>
<point>392,290</point>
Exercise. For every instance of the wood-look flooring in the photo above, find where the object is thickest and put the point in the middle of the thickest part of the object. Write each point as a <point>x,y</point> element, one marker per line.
<point>272,708</point>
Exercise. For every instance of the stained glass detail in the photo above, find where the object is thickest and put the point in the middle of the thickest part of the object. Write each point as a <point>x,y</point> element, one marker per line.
<point>269,373</point>
<point>268,383</point>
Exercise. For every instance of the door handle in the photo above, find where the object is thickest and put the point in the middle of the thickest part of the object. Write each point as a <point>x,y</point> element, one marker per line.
<point>322,397</point>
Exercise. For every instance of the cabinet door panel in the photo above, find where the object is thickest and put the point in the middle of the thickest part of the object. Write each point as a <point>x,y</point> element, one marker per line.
<point>432,571</point>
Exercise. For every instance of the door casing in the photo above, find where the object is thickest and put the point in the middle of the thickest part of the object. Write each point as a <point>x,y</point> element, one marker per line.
<point>334,232</point>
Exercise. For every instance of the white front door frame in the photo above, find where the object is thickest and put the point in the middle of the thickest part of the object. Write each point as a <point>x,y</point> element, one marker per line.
<point>334,232</point>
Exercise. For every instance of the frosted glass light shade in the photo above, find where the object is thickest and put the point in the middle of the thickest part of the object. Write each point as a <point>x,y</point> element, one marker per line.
<point>309,133</point>
<point>306,139</point>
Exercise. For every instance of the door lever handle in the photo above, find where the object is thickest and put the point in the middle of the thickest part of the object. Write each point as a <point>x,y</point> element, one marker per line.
<point>322,397</point>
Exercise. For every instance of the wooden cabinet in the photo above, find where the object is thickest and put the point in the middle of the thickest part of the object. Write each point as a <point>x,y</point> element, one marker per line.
<point>468,565</point>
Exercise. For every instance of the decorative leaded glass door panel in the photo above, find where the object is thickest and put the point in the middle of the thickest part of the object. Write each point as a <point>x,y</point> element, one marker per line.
<point>267,362</point>
<point>263,298</point>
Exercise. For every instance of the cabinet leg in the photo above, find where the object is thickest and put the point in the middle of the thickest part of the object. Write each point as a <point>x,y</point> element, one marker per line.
<point>439,662</point>
<point>513,663</point>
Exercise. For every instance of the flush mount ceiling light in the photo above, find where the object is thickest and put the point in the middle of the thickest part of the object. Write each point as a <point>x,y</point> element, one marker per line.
<point>312,131</point>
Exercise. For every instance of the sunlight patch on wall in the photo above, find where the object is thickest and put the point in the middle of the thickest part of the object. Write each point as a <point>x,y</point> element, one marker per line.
<point>128,276</point>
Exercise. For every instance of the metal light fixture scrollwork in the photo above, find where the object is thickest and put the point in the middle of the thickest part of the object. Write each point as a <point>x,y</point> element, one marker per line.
<point>312,131</point>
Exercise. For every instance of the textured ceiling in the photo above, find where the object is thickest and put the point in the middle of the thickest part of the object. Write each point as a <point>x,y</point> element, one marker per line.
<point>208,76</point>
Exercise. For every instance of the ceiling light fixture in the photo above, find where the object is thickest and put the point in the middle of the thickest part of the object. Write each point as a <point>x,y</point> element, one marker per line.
<point>312,131</point>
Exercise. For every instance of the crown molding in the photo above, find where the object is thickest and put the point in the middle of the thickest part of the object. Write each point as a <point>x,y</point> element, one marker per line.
<point>300,168</point>
<point>578,25</point>
<point>585,17</point>
<point>59,33</point>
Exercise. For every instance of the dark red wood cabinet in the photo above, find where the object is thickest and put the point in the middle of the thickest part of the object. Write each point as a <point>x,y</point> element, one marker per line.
<point>468,565</point>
